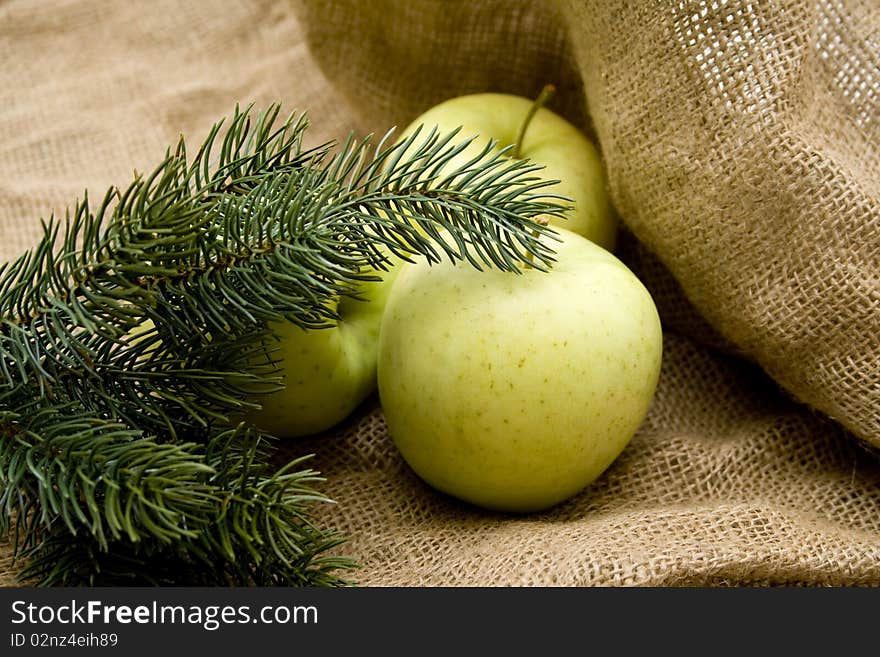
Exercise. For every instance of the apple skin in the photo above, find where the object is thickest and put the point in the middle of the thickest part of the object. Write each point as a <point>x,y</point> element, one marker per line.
<point>326,372</point>
<point>515,391</point>
<point>551,141</point>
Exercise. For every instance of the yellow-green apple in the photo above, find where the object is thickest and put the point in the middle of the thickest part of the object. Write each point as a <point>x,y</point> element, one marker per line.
<point>514,391</point>
<point>548,140</point>
<point>326,372</point>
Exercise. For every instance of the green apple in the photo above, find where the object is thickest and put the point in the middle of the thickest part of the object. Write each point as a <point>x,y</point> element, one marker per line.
<point>326,372</point>
<point>549,140</point>
<point>514,391</point>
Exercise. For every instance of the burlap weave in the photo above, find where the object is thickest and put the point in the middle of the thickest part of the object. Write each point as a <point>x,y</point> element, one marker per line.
<point>742,145</point>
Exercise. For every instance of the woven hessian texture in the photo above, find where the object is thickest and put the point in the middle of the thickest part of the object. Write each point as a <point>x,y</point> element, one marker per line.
<point>741,141</point>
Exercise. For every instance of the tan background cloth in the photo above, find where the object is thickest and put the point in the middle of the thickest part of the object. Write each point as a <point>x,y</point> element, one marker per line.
<point>764,212</point>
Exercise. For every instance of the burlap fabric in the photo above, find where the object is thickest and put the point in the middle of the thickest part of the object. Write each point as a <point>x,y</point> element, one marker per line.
<point>742,145</point>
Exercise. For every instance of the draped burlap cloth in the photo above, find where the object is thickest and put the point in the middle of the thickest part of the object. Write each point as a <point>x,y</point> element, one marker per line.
<point>742,141</point>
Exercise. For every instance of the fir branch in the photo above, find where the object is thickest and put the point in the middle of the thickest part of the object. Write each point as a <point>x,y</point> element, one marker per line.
<point>129,338</point>
<point>98,476</point>
<point>78,476</point>
<point>252,529</point>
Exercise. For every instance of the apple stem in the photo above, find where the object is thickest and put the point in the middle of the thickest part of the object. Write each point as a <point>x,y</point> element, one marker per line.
<point>542,99</point>
<point>530,257</point>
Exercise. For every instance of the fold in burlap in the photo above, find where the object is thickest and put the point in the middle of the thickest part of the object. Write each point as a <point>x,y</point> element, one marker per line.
<point>741,143</point>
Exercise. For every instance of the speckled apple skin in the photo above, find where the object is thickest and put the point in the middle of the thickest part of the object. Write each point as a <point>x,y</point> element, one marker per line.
<point>515,391</point>
<point>550,141</point>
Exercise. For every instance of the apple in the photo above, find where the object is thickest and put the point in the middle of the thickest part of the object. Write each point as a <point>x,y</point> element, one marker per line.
<point>326,372</point>
<point>544,138</point>
<point>514,391</point>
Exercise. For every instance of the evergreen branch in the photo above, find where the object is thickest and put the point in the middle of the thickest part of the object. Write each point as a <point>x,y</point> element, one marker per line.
<point>218,509</point>
<point>98,476</point>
